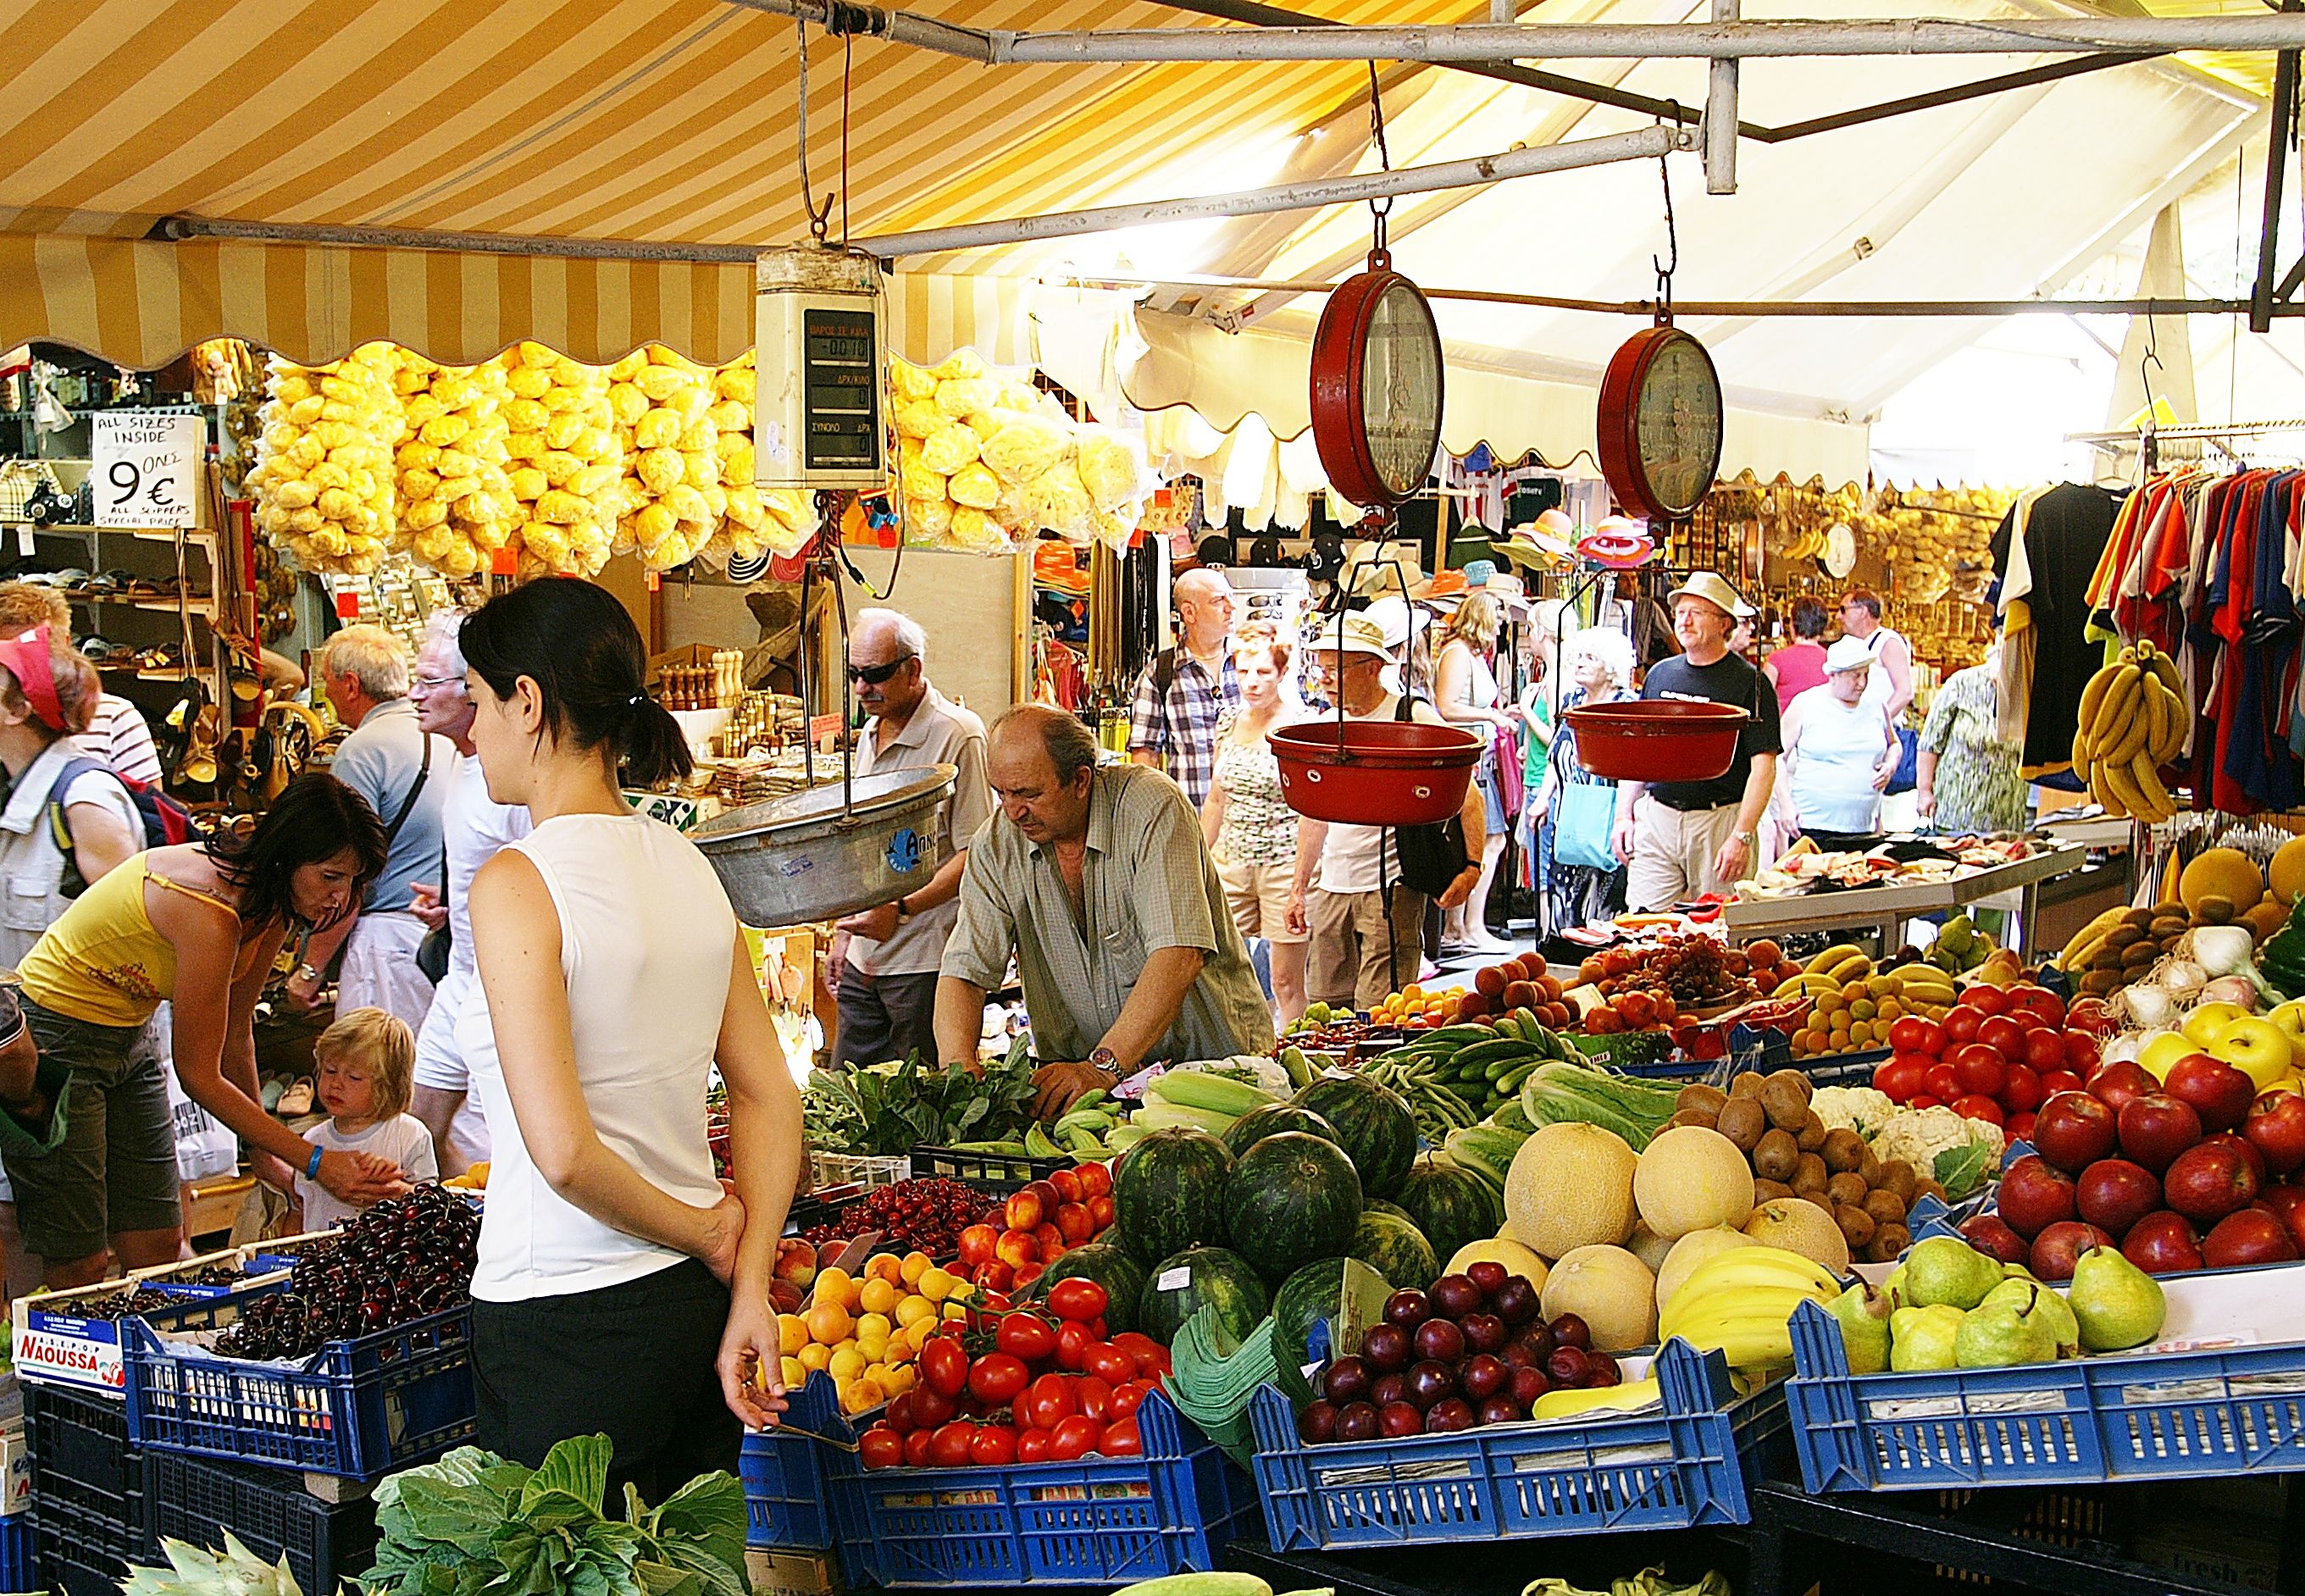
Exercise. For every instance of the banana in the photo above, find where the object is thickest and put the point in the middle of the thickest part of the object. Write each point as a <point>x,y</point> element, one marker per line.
<point>2166,670</point>
<point>2116,710</point>
<point>1636,1393</point>
<point>2179,722</point>
<point>2093,694</point>
<point>2101,794</point>
<point>2155,705</point>
<point>2081,749</point>
<point>2117,743</point>
<point>2123,788</point>
<point>2149,781</point>
<point>1768,1266</point>
<point>1747,1341</point>
<point>1839,954</point>
<point>1702,1322</point>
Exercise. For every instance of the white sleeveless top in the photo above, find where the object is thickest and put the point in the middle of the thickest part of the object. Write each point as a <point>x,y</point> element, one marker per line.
<point>1840,748</point>
<point>646,935</point>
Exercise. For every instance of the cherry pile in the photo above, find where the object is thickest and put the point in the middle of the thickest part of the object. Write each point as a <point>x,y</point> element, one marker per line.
<point>926,1215</point>
<point>400,1261</point>
<point>210,1274</point>
<point>125,1304</point>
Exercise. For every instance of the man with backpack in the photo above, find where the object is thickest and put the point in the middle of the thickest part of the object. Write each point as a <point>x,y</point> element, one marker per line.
<point>1172,722</point>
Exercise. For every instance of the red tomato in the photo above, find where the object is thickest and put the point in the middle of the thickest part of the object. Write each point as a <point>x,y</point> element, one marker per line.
<point>993,1444</point>
<point>1121,1439</point>
<point>1094,1396</point>
<point>880,1447</point>
<point>917,1448</point>
<point>2045,1050</point>
<point>1073,1342</point>
<point>1096,1179</point>
<point>900,1413</point>
<point>1943,1084</point>
<point>2019,1126</point>
<point>1926,1102</point>
<point>1960,1025</point>
<point>1033,1446</point>
<point>2025,1020</point>
<point>1138,1345</point>
<point>948,1448</point>
<point>1048,1401</point>
<point>944,1365</point>
<point>1128,1398</point>
<point>1075,1436</point>
<point>997,1377</point>
<point>1911,1033</point>
<point>1096,1328</point>
<point>1978,1068</point>
<point>2003,1035</point>
<point>1109,1363</point>
<point>1070,1186</point>
<point>931,1408</point>
<point>1986,1000</point>
<point>2054,1082</point>
<point>2041,1001</point>
<point>1027,1336</point>
<point>1078,1299</point>
<point>2021,1090</point>
<point>2081,1052</point>
<point>1100,1207</point>
<point>1903,1075</point>
<point>1977,1106</point>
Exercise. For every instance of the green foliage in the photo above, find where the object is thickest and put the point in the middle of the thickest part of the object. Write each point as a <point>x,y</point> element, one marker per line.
<point>889,1109</point>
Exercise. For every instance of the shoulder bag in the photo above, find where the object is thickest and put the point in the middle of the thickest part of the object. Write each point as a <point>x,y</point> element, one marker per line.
<point>1431,856</point>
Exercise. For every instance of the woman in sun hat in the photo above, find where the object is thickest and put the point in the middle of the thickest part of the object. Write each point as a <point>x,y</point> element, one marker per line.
<point>1839,753</point>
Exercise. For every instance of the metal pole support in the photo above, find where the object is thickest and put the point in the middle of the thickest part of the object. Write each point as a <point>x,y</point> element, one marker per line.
<point>2281,135</point>
<point>1721,114</point>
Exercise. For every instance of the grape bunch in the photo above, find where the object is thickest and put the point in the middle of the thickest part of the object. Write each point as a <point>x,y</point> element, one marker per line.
<point>1693,969</point>
<point>400,1261</point>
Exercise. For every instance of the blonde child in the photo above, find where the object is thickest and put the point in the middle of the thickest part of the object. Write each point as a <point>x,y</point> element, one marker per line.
<point>361,1067</point>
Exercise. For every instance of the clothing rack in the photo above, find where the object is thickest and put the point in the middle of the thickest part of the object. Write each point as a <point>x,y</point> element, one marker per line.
<point>2149,439</point>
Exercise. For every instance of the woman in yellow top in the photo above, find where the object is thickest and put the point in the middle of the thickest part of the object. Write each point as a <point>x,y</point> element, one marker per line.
<point>199,925</point>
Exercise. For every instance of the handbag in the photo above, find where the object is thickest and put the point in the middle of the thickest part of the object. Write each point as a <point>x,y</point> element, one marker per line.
<point>1583,824</point>
<point>1908,754</point>
<point>1431,856</point>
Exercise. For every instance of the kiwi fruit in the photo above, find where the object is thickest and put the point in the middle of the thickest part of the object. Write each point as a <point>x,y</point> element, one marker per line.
<point>1809,1175</point>
<point>1769,1191</point>
<point>2121,936</point>
<point>1886,1207</point>
<point>1897,1177</point>
<point>2140,955</point>
<point>1811,1131</point>
<point>1847,1187</point>
<point>2142,916</point>
<point>1793,1078</point>
<point>1747,1085</point>
<point>2100,983</point>
<point>1743,1121</point>
<point>1843,1151</point>
<point>1776,1155</point>
<point>1698,1095</point>
<point>2213,909</point>
<point>1857,1226</point>
<point>1786,1106</point>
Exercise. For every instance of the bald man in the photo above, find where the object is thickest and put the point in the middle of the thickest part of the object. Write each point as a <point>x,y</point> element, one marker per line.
<point>1173,724</point>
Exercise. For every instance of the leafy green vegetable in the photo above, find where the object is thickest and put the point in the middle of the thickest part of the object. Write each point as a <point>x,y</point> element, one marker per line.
<point>1961,1170</point>
<point>891,1108</point>
<point>473,1525</point>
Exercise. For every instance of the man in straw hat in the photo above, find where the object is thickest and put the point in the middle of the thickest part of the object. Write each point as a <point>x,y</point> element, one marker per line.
<point>1366,929</point>
<point>1681,840</point>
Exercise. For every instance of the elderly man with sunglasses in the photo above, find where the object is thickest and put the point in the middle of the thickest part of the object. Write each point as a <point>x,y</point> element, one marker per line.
<point>886,958</point>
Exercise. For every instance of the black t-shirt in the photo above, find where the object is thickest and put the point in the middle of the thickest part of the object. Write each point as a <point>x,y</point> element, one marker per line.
<point>1728,680</point>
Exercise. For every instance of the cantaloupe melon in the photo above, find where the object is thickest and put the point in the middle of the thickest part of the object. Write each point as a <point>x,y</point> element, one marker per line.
<point>2286,875</point>
<point>2221,872</point>
<point>1692,1178</point>
<point>1691,1249</point>
<point>1570,1186</point>
<point>1798,1226</point>
<point>1611,1290</point>
<point>1646,1244</point>
<point>1517,1259</point>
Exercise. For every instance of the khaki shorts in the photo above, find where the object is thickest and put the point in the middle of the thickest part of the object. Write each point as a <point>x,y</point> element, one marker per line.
<point>1353,959</point>
<point>1673,851</point>
<point>1258,897</point>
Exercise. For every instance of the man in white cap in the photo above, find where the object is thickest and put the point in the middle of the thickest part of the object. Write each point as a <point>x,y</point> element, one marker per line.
<point>1366,928</point>
<point>1683,839</point>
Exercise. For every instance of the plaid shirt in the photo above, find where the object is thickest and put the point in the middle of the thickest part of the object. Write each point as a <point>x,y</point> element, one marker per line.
<point>1182,726</point>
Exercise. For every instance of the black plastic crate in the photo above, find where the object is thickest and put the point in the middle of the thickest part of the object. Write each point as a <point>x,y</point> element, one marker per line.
<point>195,1498</point>
<point>82,1554</point>
<point>996,1173</point>
<point>81,1457</point>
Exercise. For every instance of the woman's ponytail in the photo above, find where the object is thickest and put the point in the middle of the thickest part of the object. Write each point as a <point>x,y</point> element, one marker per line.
<point>654,747</point>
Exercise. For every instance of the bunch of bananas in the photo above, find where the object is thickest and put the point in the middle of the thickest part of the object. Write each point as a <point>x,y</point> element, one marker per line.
<point>1740,1300</point>
<point>2133,719</point>
<point>1829,971</point>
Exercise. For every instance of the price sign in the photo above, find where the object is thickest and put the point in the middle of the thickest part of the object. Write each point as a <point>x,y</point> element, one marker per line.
<point>146,469</point>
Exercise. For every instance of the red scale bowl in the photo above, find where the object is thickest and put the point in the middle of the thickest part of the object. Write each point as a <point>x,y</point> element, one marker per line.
<point>1657,739</point>
<point>1385,772</point>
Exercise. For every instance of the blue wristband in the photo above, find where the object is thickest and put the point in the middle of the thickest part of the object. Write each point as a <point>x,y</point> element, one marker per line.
<point>312,1165</point>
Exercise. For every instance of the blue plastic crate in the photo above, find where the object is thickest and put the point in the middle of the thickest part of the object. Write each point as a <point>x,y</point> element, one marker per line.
<point>356,1408</point>
<point>2082,1421</point>
<point>1694,1463</point>
<point>191,1498</point>
<point>783,1482</point>
<point>1102,1521</point>
<point>17,1572</point>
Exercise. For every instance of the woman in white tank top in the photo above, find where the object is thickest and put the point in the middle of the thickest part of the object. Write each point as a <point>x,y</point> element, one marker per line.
<point>619,1289</point>
<point>1839,753</point>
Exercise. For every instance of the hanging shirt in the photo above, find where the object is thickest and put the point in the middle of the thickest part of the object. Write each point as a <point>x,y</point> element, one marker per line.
<point>2064,538</point>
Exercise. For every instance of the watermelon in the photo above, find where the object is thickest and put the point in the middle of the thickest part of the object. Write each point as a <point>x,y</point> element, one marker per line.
<point>1380,1206</point>
<point>1450,1205</point>
<point>1395,1248</point>
<point>1291,1198</point>
<point>1111,1266</point>
<point>1169,1193</point>
<point>1257,1124</point>
<point>1374,1125</point>
<point>1319,1314</point>
<point>1203,1277</point>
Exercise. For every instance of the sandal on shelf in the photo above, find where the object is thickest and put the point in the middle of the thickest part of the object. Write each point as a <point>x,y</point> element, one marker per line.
<point>297,1100</point>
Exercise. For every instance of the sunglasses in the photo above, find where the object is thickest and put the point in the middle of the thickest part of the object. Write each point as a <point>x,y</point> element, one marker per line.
<point>875,674</point>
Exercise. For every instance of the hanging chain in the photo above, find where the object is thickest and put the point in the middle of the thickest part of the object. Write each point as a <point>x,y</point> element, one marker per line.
<point>1381,208</point>
<point>819,219</point>
<point>1672,263</point>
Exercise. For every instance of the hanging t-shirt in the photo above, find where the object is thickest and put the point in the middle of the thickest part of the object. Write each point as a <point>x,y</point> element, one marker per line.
<point>2065,535</point>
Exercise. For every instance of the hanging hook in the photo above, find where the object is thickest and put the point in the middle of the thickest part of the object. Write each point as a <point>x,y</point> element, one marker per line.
<point>1672,263</point>
<point>820,217</point>
<point>1379,208</point>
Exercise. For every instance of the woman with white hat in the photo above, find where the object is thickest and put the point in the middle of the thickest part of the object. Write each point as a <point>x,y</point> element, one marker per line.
<point>1838,752</point>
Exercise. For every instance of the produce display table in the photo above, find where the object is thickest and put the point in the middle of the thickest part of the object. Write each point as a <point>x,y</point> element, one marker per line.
<point>1884,910</point>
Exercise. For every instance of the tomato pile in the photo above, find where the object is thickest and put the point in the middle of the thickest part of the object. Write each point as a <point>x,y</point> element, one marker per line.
<point>1022,1385</point>
<point>1037,1225</point>
<point>1998,1055</point>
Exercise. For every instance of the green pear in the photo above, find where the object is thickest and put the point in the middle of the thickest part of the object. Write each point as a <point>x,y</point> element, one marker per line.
<point>1924,1337</point>
<point>1892,1286</point>
<point>1864,1316</point>
<point>2015,1271</point>
<point>2034,1300</point>
<point>2116,1303</point>
<point>1945,1269</point>
<point>1996,1337</point>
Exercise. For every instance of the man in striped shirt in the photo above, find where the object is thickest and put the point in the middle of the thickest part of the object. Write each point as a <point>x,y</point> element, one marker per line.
<point>117,734</point>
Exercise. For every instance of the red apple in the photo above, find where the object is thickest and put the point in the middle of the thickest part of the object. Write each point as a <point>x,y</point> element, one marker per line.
<point>2252,1235</point>
<point>2288,1205</point>
<point>2207,1182</point>
<point>2036,1194</point>
<point>2114,1194</point>
<point>2250,1155</point>
<point>2114,1085</point>
<point>2054,1082</point>
<point>2220,1094</point>
<point>2275,1127</point>
<point>2055,1248</point>
<point>1992,1235</point>
<point>2005,1036</point>
<point>2073,1130</point>
<point>2163,1244</point>
<point>2019,1126</point>
<point>2155,1129</point>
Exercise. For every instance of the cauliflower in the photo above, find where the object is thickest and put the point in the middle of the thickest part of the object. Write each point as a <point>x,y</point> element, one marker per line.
<point>1858,1108</point>
<point>1922,1136</point>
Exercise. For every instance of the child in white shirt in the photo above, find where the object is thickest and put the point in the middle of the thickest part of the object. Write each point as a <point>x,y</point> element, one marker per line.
<point>361,1067</point>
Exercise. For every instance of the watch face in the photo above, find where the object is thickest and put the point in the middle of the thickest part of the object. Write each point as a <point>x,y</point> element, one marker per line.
<point>1676,424</point>
<point>1400,387</point>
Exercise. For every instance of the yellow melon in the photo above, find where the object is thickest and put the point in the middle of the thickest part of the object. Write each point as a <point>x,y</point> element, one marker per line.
<point>2286,877</point>
<point>1517,1259</point>
<point>2221,872</point>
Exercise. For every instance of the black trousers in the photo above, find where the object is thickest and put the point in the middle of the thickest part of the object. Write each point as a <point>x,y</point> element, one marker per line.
<point>884,1017</point>
<point>631,1361</point>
